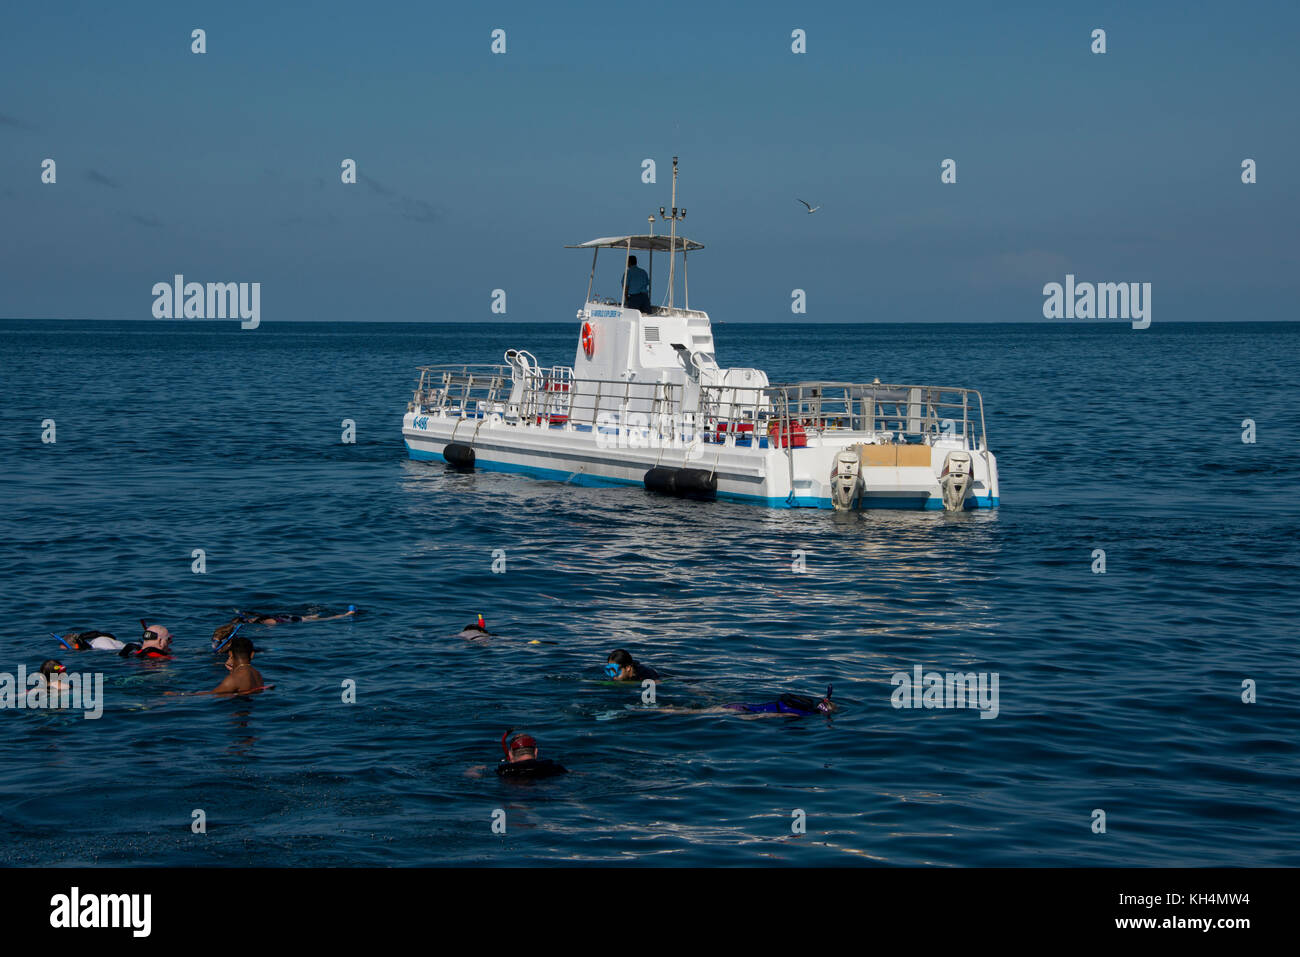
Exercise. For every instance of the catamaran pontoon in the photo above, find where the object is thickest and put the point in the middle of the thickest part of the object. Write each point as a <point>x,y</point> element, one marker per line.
<point>645,403</point>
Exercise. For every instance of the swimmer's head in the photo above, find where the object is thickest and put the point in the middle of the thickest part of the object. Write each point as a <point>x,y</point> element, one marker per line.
<point>826,705</point>
<point>52,666</point>
<point>522,747</point>
<point>222,636</point>
<point>620,665</point>
<point>155,633</point>
<point>241,650</point>
<point>74,642</point>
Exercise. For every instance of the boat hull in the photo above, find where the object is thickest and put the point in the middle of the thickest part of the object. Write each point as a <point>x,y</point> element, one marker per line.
<point>761,472</point>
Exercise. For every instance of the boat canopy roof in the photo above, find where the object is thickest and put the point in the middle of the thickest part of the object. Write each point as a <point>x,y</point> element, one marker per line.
<point>659,244</point>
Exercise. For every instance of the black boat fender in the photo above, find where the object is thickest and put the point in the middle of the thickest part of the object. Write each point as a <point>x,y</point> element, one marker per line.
<point>459,456</point>
<point>685,483</point>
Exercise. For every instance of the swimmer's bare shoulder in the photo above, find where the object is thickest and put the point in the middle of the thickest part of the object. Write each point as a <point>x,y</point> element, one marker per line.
<point>242,680</point>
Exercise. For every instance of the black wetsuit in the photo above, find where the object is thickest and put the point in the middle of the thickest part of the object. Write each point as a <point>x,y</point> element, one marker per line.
<point>250,617</point>
<point>786,704</point>
<point>531,768</point>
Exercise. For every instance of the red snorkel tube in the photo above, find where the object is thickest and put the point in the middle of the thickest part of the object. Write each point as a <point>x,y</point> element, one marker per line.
<point>528,743</point>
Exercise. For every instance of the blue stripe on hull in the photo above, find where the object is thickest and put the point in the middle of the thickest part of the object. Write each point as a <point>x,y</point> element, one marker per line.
<point>600,481</point>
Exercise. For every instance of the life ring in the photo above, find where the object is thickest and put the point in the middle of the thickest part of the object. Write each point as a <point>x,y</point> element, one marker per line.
<point>588,340</point>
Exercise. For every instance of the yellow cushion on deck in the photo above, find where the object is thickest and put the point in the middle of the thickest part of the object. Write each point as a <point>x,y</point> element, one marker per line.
<point>878,455</point>
<point>895,456</point>
<point>913,456</point>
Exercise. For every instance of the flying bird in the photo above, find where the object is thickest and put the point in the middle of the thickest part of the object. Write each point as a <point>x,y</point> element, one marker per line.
<point>811,209</point>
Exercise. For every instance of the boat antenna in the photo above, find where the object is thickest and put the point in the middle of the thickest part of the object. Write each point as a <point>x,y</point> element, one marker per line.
<point>672,232</point>
<point>652,250</point>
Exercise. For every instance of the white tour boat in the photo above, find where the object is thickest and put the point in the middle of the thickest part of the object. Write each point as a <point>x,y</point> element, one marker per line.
<point>646,403</point>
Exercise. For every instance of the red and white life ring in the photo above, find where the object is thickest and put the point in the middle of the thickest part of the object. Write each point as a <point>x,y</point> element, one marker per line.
<point>588,340</point>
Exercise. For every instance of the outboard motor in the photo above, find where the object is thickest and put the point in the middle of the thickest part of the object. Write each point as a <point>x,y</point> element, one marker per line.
<point>956,479</point>
<point>846,480</point>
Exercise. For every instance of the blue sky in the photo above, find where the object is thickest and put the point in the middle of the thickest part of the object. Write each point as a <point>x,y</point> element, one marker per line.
<point>475,169</point>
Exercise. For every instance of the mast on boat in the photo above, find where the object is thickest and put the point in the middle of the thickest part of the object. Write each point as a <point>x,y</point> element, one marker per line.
<point>672,233</point>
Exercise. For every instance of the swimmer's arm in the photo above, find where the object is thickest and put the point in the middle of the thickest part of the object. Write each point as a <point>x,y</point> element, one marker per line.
<point>218,691</point>
<point>346,614</point>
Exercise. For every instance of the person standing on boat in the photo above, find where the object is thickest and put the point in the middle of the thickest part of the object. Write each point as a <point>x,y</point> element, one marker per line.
<point>638,287</point>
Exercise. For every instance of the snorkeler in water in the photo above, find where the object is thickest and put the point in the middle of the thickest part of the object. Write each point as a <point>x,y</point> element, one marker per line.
<point>476,630</point>
<point>51,670</point>
<point>794,704</point>
<point>521,760</point>
<point>621,666</point>
<point>155,642</point>
<point>90,641</point>
<point>243,677</point>
<point>279,618</point>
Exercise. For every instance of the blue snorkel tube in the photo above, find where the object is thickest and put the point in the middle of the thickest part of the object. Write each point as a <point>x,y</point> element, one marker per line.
<point>216,648</point>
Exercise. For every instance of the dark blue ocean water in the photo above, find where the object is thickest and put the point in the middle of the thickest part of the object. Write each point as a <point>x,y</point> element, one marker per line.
<point>1118,691</point>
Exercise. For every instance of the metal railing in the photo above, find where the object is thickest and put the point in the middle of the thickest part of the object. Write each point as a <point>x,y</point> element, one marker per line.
<point>727,414</point>
<point>904,413</point>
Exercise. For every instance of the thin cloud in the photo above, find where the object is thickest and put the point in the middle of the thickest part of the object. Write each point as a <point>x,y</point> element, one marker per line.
<point>419,210</point>
<point>144,220</point>
<point>7,120</point>
<point>95,176</point>
<point>408,207</point>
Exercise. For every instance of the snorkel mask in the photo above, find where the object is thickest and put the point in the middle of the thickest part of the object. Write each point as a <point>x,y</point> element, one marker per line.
<point>613,670</point>
<point>220,645</point>
<point>825,706</point>
<point>524,741</point>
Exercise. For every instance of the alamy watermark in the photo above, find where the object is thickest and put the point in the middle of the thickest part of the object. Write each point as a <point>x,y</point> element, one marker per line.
<point>127,911</point>
<point>63,690</point>
<point>954,689</point>
<point>215,300</point>
<point>640,430</point>
<point>1104,300</point>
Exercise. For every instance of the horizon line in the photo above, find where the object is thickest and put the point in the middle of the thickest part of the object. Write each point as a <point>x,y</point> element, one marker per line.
<point>735,322</point>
